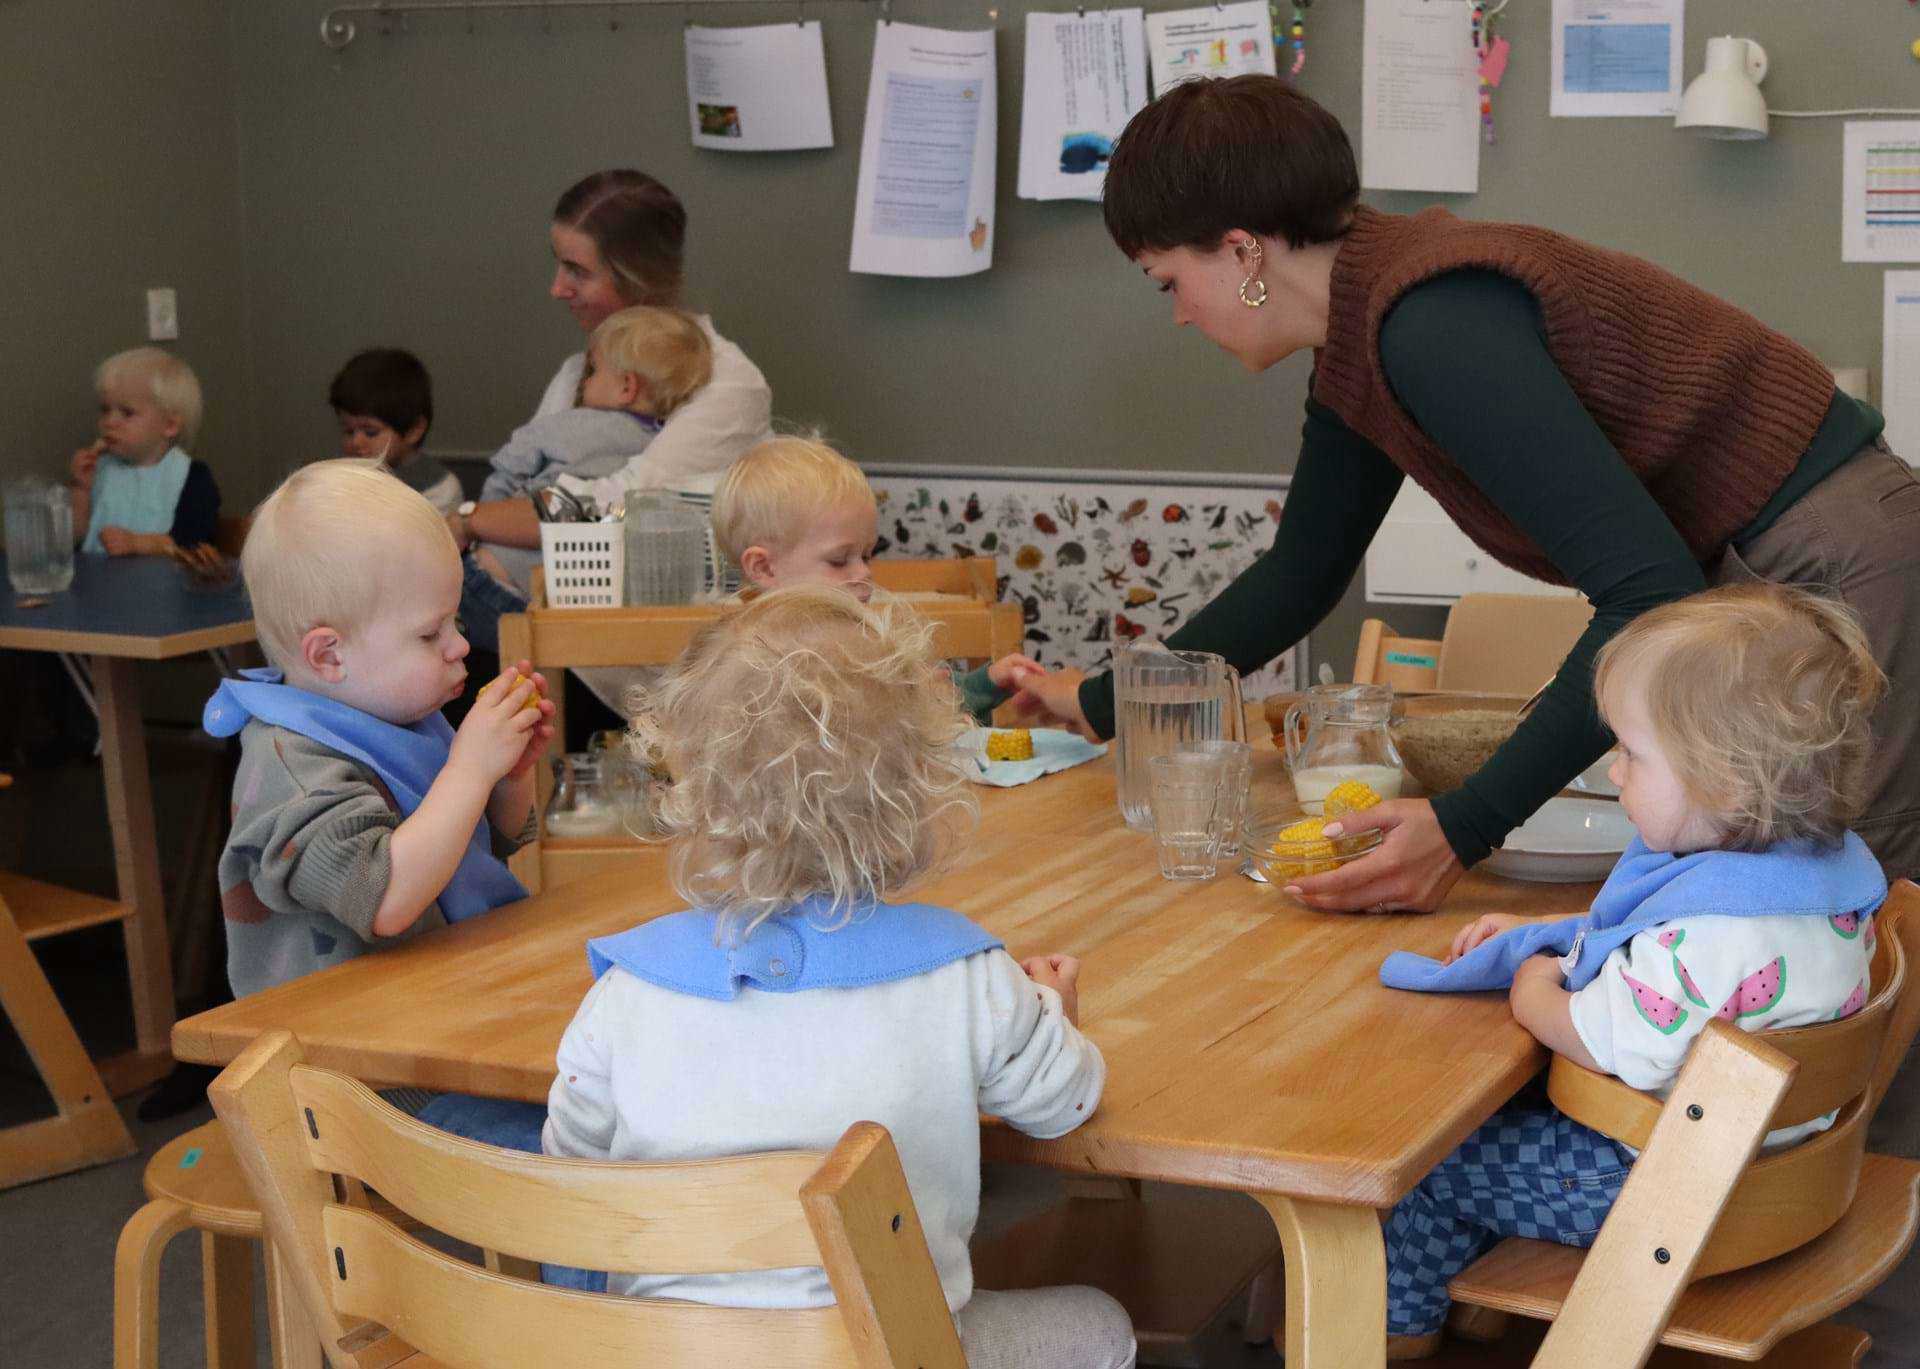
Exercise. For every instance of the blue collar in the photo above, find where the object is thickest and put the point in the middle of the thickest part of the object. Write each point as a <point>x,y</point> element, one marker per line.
<point>804,948</point>
<point>1650,888</point>
<point>407,760</point>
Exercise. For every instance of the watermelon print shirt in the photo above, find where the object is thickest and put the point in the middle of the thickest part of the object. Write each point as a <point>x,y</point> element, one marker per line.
<point>1659,991</point>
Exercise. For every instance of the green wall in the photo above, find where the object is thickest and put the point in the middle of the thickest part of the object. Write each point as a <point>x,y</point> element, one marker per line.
<point>396,192</point>
<point>119,158</point>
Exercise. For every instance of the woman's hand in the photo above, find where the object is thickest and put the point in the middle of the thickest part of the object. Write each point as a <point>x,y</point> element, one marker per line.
<point>1053,697</point>
<point>1410,871</point>
<point>1009,670</point>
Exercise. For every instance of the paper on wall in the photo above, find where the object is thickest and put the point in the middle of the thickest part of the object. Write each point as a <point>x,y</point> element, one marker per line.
<point>759,89</point>
<point>1900,362</point>
<point>1419,92</point>
<point>1219,40</point>
<point>925,201</point>
<point>1617,58</point>
<point>1880,191</point>
<point>1086,76</point>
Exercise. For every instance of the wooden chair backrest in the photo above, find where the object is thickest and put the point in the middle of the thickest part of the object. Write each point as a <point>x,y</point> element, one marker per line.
<point>1386,658</point>
<point>1659,1228</point>
<point>1508,643</point>
<point>973,626</point>
<point>1785,1200</point>
<point>365,1282</point>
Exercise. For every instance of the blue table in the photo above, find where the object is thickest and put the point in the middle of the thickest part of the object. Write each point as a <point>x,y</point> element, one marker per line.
<point>118,610</point>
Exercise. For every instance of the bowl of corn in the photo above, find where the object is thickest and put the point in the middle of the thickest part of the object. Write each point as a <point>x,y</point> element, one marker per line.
<point>1290,843</point>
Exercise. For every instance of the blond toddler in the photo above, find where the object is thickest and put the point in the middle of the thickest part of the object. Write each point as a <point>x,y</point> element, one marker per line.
<point>360,816</point>
<point>135,490</point>
<point>815,782</point>
<point>1741,716</point>
<point>794,511</point>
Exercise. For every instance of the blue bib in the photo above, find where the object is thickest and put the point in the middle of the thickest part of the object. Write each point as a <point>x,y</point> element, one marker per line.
<point>137,498</point>
<point>1650,888</point>
<point>793,951</point>
<point>407,760</point>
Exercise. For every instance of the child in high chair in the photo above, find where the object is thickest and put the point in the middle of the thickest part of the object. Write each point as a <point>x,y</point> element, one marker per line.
<point>810,736</point>
<point>383,401</point>
<point>135,490</point>
<point>360,817</point>
<point>794,511</point>
<point>1741,716</point>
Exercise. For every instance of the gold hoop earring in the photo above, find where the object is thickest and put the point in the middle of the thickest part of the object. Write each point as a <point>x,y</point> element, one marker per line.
<point>1255,255</point>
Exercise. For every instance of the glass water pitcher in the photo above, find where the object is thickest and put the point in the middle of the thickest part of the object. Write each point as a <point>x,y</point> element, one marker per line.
<point>1161,699</point>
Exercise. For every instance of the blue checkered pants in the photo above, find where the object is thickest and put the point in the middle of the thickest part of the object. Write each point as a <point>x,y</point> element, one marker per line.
<point>1528,1171</point>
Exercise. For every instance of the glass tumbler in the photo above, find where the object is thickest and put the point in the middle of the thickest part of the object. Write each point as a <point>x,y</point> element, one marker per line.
<point>1188,813</point>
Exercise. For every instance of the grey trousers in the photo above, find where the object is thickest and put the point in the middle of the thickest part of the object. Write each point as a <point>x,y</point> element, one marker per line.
<point>1070,1327</point>
<point>1856,535</point>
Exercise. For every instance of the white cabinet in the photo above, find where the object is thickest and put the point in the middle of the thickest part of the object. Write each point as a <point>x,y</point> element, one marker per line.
<point>1420,557</point>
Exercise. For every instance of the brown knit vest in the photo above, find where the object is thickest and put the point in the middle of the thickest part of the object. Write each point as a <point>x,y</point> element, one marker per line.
<point>1709,407</point>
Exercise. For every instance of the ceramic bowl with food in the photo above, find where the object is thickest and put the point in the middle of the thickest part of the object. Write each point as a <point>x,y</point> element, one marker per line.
<point>1443,738</point>
<point>1282,848</point>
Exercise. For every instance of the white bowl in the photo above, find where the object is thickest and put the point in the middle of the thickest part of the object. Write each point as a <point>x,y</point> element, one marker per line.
<point>1593,780</point>
<point>1568,841</point>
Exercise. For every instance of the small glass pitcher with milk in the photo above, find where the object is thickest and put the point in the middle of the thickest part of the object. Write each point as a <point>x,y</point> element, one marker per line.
<point>1345,737</point>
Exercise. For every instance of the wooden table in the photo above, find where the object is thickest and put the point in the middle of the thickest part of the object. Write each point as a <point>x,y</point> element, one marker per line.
<point>119,610</point>
<point>1250,1045</point>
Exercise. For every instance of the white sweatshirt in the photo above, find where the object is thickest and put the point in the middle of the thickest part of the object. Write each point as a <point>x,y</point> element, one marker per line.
<point>730,413</point>
<point>649,1074</point>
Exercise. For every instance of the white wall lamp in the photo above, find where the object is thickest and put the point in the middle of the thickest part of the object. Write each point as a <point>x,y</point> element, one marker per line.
<point>1724,101</point>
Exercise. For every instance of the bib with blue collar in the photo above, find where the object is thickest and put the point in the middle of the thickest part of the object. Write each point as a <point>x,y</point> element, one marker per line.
<point>137,498</point>
<point>1650,888</point>
<point>407,760</point>
<point>806,947</point>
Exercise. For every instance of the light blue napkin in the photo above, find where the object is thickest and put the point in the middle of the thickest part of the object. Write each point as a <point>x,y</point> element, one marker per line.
<point>1053,749</point>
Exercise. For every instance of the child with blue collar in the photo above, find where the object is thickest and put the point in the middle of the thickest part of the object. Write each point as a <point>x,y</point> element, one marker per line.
<point>810,737</point>
<point>360,817</point>
<point>1741,716</point>
<point>135,490</point>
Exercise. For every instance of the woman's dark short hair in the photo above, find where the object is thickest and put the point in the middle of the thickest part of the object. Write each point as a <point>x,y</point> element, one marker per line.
<point>1248,152</point>
<point>639,226</point>
<point>384,383</point>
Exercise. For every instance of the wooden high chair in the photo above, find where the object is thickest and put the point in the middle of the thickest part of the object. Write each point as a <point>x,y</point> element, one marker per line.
<point>1493,644</point>
<point>379,1297</point>
<point>960,597</point>
<point>1803,1234</point>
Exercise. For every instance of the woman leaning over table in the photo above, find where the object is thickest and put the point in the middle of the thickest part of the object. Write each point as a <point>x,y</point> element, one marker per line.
<point>618,239</point>
<point>1583,415</point>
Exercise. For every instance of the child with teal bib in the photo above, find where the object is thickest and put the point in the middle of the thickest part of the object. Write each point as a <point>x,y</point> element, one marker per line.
<point>135,490</point>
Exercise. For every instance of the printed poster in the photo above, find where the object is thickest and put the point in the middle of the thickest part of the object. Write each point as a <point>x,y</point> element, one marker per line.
<point>1086,76</point>
<point>1219,40</point>
<point>759,89</point>
<point>925,199</point>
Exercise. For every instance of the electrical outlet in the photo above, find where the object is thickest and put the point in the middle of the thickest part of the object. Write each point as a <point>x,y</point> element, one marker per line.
<point>163,314</point>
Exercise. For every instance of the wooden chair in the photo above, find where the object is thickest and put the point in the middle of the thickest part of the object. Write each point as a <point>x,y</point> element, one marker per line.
<point>1798,1235</point>
<point>1493,644</point>
<point>379,1297</point>
<point>960,597</point>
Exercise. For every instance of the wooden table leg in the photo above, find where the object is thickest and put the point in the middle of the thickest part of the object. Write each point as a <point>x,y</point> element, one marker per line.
<point>136,858</point>
<point>1336,1283</point>
<point>86,1129</point>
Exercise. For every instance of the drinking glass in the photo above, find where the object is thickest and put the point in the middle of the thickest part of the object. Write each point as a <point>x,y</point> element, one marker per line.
<point>1236,777</point>
<point>39,528</point>
<point>1188,813</point>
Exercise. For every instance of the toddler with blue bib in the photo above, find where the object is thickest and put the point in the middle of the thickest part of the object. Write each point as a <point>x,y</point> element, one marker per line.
<point>810,740</point>
<point>1741,716</point>
<point>135,490</point>
<point>360,818</point>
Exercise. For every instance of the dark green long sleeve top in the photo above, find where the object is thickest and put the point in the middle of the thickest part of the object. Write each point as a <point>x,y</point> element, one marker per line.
<point>1466,356</point>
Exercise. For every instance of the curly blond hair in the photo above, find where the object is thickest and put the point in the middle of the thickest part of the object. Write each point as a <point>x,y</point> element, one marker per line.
<point>810,740</point>
<point>1760,695</point>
